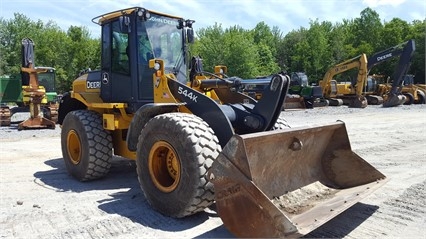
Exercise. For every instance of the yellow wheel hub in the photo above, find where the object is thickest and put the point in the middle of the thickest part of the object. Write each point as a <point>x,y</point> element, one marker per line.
<point>164,166</point>
<point>74,147</point>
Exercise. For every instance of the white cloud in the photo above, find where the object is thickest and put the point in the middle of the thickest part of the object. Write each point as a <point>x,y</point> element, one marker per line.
<point>376,3</point>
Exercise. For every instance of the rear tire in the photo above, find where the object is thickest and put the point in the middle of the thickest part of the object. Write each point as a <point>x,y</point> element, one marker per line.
<point>410,99</point>
<point>421,98</point>
<point>86,145</point>
<point>174,153</point>
<point>46,112</point>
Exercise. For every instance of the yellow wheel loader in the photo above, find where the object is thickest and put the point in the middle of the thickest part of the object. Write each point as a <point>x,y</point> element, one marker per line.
<point>197,140</point>
<point>415,94</point>
<point>408,93</point>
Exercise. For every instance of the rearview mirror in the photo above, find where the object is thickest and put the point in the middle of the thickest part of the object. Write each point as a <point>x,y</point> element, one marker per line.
<point>125,24</point>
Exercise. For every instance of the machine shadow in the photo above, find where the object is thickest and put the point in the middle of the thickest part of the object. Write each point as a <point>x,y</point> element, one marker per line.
<point>129,202</point>
<point>122,175</point>
<point>133,205</point>
<point>338,227</point>
<point>341,225</point>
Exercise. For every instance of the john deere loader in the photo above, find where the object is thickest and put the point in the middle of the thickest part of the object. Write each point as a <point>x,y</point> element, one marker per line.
<point>197,140</point>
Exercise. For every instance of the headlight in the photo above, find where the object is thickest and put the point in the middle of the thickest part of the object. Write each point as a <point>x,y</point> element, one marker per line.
<point>157,66</point>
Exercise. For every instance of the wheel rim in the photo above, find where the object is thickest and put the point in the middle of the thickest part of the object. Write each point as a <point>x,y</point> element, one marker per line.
<point>74,147</point>
<point>164,166</point>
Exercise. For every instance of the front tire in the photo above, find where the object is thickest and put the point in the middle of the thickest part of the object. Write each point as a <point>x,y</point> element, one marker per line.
<point>281,124</point>
<point>174,153</point>
<point>86,145</point>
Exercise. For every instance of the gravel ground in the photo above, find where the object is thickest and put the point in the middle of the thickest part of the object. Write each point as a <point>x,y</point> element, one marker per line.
<point>39,200</point>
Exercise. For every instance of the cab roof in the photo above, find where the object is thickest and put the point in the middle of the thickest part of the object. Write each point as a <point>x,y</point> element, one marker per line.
<point>112,15</point>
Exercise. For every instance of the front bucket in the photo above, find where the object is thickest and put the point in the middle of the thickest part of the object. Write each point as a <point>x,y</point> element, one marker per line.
<point>286,183</point>
<point>394,100</point>
<point>358,101</point>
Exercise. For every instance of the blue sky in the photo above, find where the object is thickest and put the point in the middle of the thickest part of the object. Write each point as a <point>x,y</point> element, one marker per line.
<point>287,15</point>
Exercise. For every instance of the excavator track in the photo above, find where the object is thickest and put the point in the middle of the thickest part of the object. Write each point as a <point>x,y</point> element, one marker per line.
<point>374,99</point>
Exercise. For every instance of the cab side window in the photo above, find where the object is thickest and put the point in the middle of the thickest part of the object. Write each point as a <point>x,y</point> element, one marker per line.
<point>119,49</point>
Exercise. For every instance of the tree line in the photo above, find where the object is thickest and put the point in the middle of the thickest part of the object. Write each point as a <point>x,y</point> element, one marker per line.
<point>68,52</point>
<point>248,53</point>
<point>313,50</point>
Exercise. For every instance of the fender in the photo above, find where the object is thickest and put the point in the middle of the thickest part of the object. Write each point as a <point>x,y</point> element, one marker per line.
<point>142,116</point>
<point>68,104</point>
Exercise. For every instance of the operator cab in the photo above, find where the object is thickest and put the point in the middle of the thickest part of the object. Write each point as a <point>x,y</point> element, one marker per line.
<point>130,38</point>
<point>408,80</point>
<point>299,78</point>
<point>298,81</point>
<point>47,79</point>
<point>371,84</point>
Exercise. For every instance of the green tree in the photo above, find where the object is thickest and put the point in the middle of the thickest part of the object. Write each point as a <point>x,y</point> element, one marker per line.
<point>320,56</point>
<point>233,47</point>
<point>83,52</point>
<point>394,33</point>
<point>286,51</point>
<point>209,46</point>
<point>266,41</point>
<point>367,29</point>
<point>11,34</point>
<point>241,54</point>
<point>418,33</point>
<point>68,53</point>
<point>337,38</point>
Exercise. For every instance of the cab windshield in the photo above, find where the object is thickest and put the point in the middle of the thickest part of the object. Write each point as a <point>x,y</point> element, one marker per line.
<point>160,38</point>
<point>47,80</point>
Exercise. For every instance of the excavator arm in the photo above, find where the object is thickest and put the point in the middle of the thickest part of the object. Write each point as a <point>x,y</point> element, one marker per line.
<point>405,51</point>
<point>403,65</point>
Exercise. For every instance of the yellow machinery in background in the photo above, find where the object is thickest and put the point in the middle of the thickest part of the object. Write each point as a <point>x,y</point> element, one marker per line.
<point>414,93</point>
<point>348,94</point>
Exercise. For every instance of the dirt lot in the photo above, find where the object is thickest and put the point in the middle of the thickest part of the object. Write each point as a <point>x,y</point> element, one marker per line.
<point>39,199</point>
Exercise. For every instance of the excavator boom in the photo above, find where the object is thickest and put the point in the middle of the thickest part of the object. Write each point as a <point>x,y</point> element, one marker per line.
<point>405,51</point>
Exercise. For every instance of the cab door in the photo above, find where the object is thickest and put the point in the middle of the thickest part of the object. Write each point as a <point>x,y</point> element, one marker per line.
<point>116,83</point>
